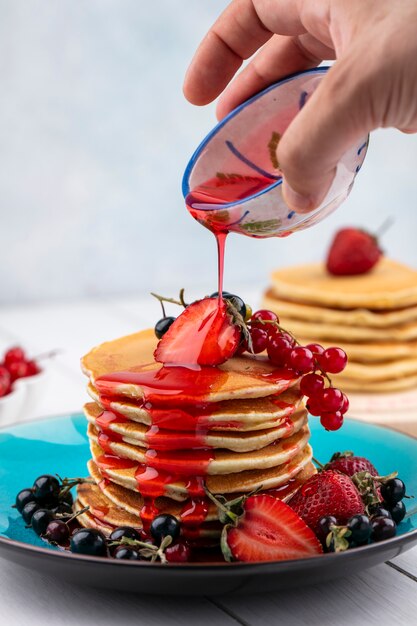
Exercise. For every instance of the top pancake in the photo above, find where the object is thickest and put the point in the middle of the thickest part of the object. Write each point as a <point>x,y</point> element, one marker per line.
<point>390,285</point>
<point>240,377</point>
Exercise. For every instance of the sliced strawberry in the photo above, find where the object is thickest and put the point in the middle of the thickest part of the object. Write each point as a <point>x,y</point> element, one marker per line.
<point>327,493</point>
<point>203,334</point>
<point>268,530</point>
<point>349,464</point>
<point>353,251</point>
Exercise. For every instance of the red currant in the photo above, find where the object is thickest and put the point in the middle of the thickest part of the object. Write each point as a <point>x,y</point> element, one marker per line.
<point>345,404</point>
<point>311,384</point>
<point>301,360</point>
<point>331,421</point>
<point>333,360</point>
<point>14,355</point>
<point>179,552</point>
<point>279,350</point>
<point>18,369</point>
<point>264,315</point>
<point>315,348</point>
<point>259,339</point>
<point>313,408</point>
<point>329,399</point>
<point>33,368</point>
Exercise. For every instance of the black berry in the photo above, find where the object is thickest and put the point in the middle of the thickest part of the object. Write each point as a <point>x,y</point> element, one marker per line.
<point>46,489</point>
<point>360,528</point>
<point>124,531</point>
<point>67,498</point>
<point>64,508</point>
<point>383,528</point>
<point>163,325</point>
<point>324,527</point>
<point>40,520</point>
<point>393,491</point>
<point>28,510</point>
<point>398,512</point>
<point>88,541</point>
<point>57,531</point>
<point>164,525</point>
<point>380,510</point>
<point>23,497</point>
<point>125,552</point>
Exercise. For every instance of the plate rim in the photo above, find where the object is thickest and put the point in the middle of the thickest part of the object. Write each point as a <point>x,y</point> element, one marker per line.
<point>21,547</point>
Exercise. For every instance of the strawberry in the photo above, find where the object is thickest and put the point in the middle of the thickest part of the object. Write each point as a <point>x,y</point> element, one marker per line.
<point>268,530</point>
<point>204,334</point>
<point>353,251</point>
<point>327,493</point>
<point>349,464</point>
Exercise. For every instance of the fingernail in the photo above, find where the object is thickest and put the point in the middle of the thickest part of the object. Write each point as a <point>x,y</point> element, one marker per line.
<point>297,201</point>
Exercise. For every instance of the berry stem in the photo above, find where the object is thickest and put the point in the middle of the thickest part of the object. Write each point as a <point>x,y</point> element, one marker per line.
<point>180,302</point>
<point>386,224</point>
<point>74,516</point>
<point>317,462</point>
<point>48,355</point>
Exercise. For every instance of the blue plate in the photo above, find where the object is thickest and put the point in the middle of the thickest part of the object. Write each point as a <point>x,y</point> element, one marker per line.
<point>59,445</point>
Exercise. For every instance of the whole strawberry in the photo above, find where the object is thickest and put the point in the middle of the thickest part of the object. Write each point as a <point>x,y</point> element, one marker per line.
<point>327,493</point>
<point>349,464</point>
<point>353,251</point>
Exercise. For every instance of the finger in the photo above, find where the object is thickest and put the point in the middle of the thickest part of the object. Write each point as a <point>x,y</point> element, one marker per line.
<point>279,57</point>
<point>235,36</point>
<point>336,116</point>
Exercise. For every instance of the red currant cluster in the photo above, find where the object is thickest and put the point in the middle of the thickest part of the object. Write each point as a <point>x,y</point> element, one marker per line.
<point>15,365</point>
<point>284,351</point>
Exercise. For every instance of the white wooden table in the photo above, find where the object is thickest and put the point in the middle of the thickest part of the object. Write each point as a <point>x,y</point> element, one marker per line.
<point>386,594</point>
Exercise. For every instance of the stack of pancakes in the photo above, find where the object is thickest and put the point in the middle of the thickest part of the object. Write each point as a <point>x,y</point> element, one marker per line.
<point>247,431</point>
<point>372,316</point>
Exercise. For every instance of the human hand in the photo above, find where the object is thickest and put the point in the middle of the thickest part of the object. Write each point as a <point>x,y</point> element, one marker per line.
<point>372,84</point>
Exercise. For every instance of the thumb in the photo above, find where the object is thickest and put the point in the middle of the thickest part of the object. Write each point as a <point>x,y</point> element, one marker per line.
<point>336,116</point>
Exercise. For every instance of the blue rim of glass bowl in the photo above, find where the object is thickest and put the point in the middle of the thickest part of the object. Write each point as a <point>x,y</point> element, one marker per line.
<point>224,121</point>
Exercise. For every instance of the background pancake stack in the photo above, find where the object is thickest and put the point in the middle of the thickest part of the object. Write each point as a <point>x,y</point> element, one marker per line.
<point>373,317</point>
<point>155,454</point>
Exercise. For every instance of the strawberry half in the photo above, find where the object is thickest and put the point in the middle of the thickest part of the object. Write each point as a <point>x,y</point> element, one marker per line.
<point>349,464</point>
<point>204,334</point>
<point>268,530</point>
<point>327,493</point>
<point>353,251</point>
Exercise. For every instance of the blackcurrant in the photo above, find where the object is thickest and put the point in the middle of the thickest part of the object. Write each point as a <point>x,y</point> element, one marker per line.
<point>360,528</point>
<point>88,541</point>
<point>163,325</point>
<point>63,508</point>
<point>383,528</point>
<point>40,520</point>
<point>380,510</point>
<point>126,552</point>
<point>164,525</point>
<point>57,531</point>
<point>124,531</point>
<point>23,497</point>
<point>67,498</point>
<point>235,300</point>
<point>398,512</point>
<point>28,510</point>
<point>324,526</point>
<point>46,489</point>
<point>393,491</point>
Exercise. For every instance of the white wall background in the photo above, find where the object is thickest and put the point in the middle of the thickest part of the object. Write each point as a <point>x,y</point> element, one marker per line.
<point>94,137</point>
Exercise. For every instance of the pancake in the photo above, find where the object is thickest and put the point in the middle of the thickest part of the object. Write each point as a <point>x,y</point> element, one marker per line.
<point>236,441</point>
<point>339,333</point>
<point>372,352</point>
<point>240,377</point>
<point>378,372</point>
<point>389,286</point>
<point>323,315</point>
<point>220,461</point>
<point>247,414</point>
<point>243,481</point>
<point>381,386</point>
